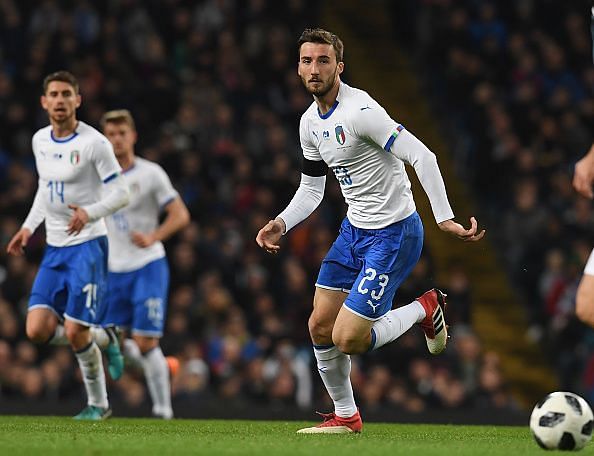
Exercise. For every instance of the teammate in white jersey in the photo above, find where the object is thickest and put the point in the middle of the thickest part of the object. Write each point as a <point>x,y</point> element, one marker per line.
<point>73,161</point>
<point>583,179</point>
<point>380,239</point>
<point>138,270</point>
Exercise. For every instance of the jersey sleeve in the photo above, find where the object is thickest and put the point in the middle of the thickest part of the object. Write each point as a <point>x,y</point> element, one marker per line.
<point>373,123</point>
<point>105,160</point>
<point>164,191</point>
<point>310,150</point>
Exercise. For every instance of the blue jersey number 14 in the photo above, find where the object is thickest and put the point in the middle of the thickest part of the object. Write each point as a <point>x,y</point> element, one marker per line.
<point>56,191</point>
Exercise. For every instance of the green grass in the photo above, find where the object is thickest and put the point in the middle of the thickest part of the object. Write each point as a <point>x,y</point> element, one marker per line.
<point>63,436</point>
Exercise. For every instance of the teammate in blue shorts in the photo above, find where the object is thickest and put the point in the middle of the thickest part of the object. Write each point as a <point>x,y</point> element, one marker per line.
<point>73,161</point>
<point>380,239</point>
<point>138,270</point>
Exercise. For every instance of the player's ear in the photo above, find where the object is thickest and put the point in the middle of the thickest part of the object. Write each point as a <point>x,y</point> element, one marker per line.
<point>43,102</point>
<point>340,67</point>
<point>78,100</point>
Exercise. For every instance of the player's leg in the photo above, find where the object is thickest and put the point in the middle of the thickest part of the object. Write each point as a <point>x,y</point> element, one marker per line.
<point>149,297</point>
<point>334,280</point>
<point>87,281</point>
<point>157,375</point>
<point>584,301</point>
<point>334,366</point>
<point>117,313</point>
<point>41,326</point>
<point>47,303</point>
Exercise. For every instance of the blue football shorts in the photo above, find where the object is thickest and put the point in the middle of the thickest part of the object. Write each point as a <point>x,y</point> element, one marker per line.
<point>137,300</point>
<point>370,265</point>
<point>72,281</point>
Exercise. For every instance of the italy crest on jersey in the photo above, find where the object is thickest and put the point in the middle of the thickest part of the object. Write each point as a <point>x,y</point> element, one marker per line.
<point>75,157</point>
<point>340,136</point>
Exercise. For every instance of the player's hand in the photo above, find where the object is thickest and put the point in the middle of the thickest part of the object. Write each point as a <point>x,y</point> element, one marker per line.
<point>19,242</point>
<point>269,236</point>
<point>583,176</point>
<point>467,235</point>
<point>78,220</point>
<point>143,240</point>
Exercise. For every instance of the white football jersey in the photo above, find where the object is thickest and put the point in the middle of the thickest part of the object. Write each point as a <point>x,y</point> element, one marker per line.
<point>71,170</point>
<point>354,139</point>
<point>150,191</point>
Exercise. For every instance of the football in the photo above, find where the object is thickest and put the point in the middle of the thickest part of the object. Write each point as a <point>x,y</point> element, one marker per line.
<point>562,421</point>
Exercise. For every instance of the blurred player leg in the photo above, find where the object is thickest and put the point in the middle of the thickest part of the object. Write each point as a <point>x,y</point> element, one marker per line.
<point>132,353</point>
<point>156,371</point>
<point>91,366</point>
<point>584,302</point>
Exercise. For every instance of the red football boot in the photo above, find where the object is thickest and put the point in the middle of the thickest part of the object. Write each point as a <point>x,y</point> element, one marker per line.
<point>434,325</point>
<point>335,425</point>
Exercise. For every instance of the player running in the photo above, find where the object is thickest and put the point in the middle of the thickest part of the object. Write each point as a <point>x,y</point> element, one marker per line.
<point>73,161</point>
<point>138,270</point>
<point>380,239</point>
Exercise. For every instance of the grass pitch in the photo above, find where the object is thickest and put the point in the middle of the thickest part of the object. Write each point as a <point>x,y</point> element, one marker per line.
<point>46,436</point>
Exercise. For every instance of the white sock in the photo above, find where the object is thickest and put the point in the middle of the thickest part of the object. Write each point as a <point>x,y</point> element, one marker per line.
<point>59,337</point>
<point>100,337</point>
<point>335,369</point>
<point>156,373</point>
<point>132,353</point>
<point>395,323</point>
<point>91,366</point>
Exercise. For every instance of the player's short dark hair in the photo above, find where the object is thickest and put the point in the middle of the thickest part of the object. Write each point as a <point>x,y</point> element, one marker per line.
<point>62,76</point>
<point>318,35</point>
<point>118,116</point>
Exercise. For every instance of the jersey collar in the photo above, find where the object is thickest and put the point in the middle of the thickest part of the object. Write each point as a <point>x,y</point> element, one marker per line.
<point>66,138</point>
<point>333,108</point>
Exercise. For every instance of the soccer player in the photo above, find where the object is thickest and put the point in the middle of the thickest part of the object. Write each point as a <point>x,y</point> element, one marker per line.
<point>583,178</point>
<point>380,239</point>
<point>138,270</point>
<point>73,161</point>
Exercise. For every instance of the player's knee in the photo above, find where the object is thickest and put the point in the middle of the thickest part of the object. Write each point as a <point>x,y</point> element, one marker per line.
<point>146,344</point>
<point>348,344</point>
<point>37,333</point>
<point>319,331</point>
<point>77,335</point>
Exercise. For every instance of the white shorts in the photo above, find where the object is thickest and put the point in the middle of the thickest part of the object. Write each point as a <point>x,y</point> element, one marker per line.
<point>589,269</point>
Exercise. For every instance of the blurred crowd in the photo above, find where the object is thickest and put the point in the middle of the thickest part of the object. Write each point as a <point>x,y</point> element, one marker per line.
<point>514,83</point>
<point>213,88</point>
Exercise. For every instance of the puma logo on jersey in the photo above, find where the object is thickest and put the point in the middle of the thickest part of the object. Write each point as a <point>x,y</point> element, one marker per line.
<point>366,107</point>
<point>372,306</point>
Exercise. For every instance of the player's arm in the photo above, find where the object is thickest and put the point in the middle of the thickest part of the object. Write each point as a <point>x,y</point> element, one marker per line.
<point>306,199</point>
<point>177,218</point>
<point>412,151</point>
<point>34,219</point>
<point>583,176</point>
<point>115,195</point>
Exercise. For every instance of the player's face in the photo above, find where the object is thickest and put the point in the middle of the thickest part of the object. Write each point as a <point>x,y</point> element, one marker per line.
<point>60,101</point>
<point>318,68</point>
<point>121,136</point>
